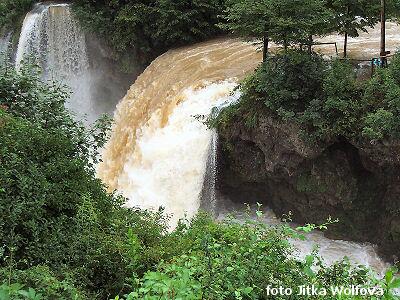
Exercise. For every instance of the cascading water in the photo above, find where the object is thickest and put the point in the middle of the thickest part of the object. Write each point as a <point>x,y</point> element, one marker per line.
<point>160,155</point>
<point>209,191</point>
<point>51,36</point>
<point>173,151</point>
<point>5,47</point>
<point>158,151</point>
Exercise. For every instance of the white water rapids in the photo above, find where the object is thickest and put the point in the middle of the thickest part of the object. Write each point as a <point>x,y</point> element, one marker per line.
<point>159,154</point>
<point>169,162</point>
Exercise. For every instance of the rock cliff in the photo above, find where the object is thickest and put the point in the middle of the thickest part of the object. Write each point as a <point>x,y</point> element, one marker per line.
<point>357,182</point>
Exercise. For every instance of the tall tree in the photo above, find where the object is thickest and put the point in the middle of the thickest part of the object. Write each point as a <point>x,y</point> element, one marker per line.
<point>285,22</point>
<point>297,21</point>
<point>250,19</point>
<point>353,16</point>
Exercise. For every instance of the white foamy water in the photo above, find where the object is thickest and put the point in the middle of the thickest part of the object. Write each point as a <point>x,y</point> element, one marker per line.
<point>53,38</point>
<point>330,250</point>
<point>169,160</point>
<point>158,152</point>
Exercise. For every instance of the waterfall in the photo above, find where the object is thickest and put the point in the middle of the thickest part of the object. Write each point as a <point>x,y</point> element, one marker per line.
<point>157,154</point>
<point>54,40</point>
<point>5,47</point>
<point>160,155</point>
<point>168,164</point>
<point>209,192</point>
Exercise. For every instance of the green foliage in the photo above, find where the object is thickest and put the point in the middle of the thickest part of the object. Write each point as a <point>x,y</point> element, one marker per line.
<point>291,81</point>
<point>248,18</point>
<point>232,260</point>
<point>381,103</point>
<point>55,212</point>
<point>16,292</point>
<point>149,27</point>
<point>323,98</point>
<point>351,17</point>
<point>47,285</point>
<point>284,85</point>
<point>284,22</point>
<point>294,22</point>
<point>12,12</point>
<point>337,111</point>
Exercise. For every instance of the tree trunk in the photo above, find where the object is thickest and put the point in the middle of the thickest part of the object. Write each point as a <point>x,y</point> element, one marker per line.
<point>310,43</point>
<point>383,33</point>
<point>346,36</point>
<point>265,46</point>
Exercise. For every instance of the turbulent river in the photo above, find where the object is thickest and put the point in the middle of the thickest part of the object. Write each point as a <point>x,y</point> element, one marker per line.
<point>159,153</point>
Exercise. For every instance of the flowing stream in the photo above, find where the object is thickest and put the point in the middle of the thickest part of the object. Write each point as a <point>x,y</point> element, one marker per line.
<point>160,154</point>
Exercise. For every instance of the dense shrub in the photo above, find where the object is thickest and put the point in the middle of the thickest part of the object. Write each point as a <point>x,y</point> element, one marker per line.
<point>232,260</point>
<point>12,12</point>
<point>149,27</point>
<point>381,101</point>
<point>323,97</point>
<point>47,285</point>
<point>54,211</point>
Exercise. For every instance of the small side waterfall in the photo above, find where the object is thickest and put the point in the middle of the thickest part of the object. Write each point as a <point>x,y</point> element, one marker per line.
<point>54,40</point>
<point>5,47</point>
<point>209,192</point>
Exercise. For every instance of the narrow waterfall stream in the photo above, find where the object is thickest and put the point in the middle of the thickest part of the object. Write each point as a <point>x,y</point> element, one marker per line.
<point>5,47</point>
<point>53,39</point>
<point>208,199</point>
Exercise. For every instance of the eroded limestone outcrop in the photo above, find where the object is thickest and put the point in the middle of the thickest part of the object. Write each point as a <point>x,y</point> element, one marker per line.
<point>354,181</point>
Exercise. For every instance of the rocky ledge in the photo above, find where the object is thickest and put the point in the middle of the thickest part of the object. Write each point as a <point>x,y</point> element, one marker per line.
<point>357,182</point>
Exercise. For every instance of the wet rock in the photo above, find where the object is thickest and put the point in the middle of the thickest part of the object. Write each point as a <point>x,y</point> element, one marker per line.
<point>354,181</point>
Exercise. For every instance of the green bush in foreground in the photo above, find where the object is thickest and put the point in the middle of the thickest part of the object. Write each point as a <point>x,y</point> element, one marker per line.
<point>232,260</point>
<point>54,211</point>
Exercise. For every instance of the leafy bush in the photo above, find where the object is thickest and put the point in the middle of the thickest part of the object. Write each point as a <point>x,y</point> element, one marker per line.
<point>381,102</point>
<point>283,87</point>
<point>15,291</point>
<point>336,112</point>
<point>55,212</point>
<point>232,260</point>
<point>323,98</point>
<point>47,285</point>
<point>149,27</point>
<point>12,12</point>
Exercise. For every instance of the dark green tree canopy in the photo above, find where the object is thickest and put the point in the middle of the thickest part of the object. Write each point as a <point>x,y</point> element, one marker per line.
<point>353,16</point>
<point>150,27</point>
<point>284,22</point>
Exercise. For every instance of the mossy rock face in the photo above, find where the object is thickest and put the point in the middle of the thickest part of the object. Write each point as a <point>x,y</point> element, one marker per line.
<point>353,181</point>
